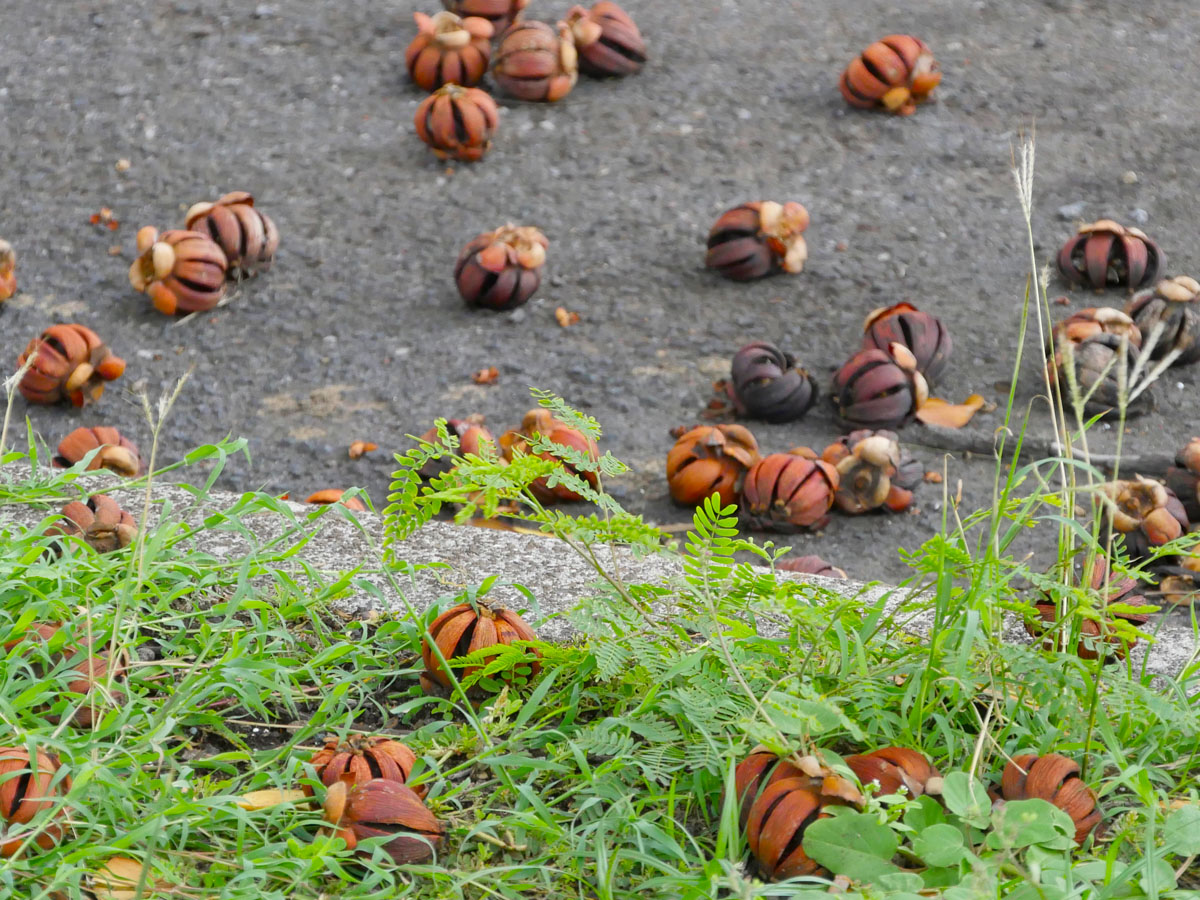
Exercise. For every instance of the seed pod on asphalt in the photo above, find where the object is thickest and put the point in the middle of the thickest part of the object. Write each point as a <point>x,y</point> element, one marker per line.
<point>449,49</point>
<point>776,824</point>
<point>1096,320</point>
<point>1176,304</point>
<point>766,384</point>
<point>784,492</point>
<point>246,236</point>
<point>1055,779</point>
<point>382,808</point>
<point>893,768</point>
<point>757,239</point>
<point>536,62</point>
<point>894,73</point>
<point>462,630</point>
<point>501,13</point>
<point>878,389</point>
<point>71,364</point>
<point>1105,254</point>
<point>360,758</point>
<point>810,565</point>
<point>8,270</point>
<point>869,465</point>
<point>1096,363</point>
<point>471,435</point>
<point>23,796</point>
<point>1095,638</point>
<point>180,271</point>
<point>1184,479</point>
<point>1145,512</point>
<point>608,41</point>
<point>457,122</point>
<point>116,452</point>
<point>100,522</point>
<point>710,459</point>
<point>904,324</point>
<point>540,422</point>
<point>501,269</point>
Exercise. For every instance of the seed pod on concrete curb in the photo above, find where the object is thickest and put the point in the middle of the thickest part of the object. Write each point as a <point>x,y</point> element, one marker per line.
<point>920,332</point>
<point>1095,638</point>
<point>775,828</point>
<point>100,522</point>
<point>462,630</point>
<point>540,422</point>
<point>607,39</point>
<point>1055,779</point>
<point>1176,304</point>
<point>360,758</point>
<point>894,73</point>
<point>1145,512</point>
<point>784,492</point>
<point>766,384</point>
<point>449,49</point>
<point>8,270</point>
<point>1184,479</point>
<point>180,271</point>
<point>457,122</point>
<point>1096,363</point>
<point>247,236</point>
<point>1105,254</point>
<point>501,13</point>
<point>71,364</point>
<point>329,496</point>
<point>23,796</point>
<point>757,239</point>
<point>1093,321</point>
<point>869,468</point>
<point>893,768</point>
<point>501,269</point>
<point>810,565</point>
<point>116,452</point>
<point>382,808</point>
<point>710,459</point>
<point>873,390</point>
<point>536,62</point>
<point>471,435</point>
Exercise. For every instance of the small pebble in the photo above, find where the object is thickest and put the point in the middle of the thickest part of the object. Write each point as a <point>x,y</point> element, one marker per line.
<point>1140,216</point>
<point>1129,177</point>
<point>1072,210</point>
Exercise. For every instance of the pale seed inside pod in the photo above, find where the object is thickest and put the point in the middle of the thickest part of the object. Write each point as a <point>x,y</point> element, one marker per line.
<point>163,256</point>
<point>146,237</point>
<point>79,377</point>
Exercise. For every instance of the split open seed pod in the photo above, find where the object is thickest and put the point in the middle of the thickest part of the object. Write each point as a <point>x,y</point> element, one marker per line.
<point>1146,513</point>
<point>536,62</point>
<point>1096,320</point>
<point>361,757</point>
<point>1175,305</point>
<point>501,13</point>
<point>116,452</point>
<point>464,629</point>
<point>71,364</point>
<point>449,49</point>
<point>765,383</point>
<point>90,678</point>
<point>1055,779</point>
<point>501,269</point>
<point>894,74</point>
<point>388,809</point>
<point>871,390</point>
<point>540,422</point>
<point>1107,254</point>
<point>457,122</point>
<point>1184,479</point>
<point>1096,638</point>
<point>100,522</point>
<point>710,459</point>
<point>329,496</point>
<point>763,768</point>
<point>608,41</point>
<point>1095,365</point>
<point>180,271</point>
<point>27,788</point>
<point>8,270</point>
<point>757,239</point>
<point>892,769</point>
<point>873,471</point>
<point>1179,582</point>
<point>810,565</point>
<point>472,436</point>
<point>923,334</point>
<point>785,492</point>
<point>775,828</point>
<point>246,235</point>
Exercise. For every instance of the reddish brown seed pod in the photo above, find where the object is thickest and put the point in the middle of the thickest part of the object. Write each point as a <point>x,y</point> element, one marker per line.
<point>608,40</point>
<point>923,334</point>
<point>765,383</point>
<point>873,389</point>
<point>1095,365</point>
<point>1175,303</point>
<point>471,434</point>
<point>180,271</point>
<point>1179,583</point>
<point>23,796</point>
<point>457,122</point>
<point>449,50</point>
<point>1145,512</point>
<point>539,422</point>
<point>873,471</point>
<point>1093,321</point>
<point>501,13</point>
<point>710,459</point>
<point>116,452</point>
<point>247,236</point>
<point>462,630</point>
<point>100,522</point>
<point>775,828</point>
<point>758,239</point>
<point>536,62</point>
<point>330,496</point>
<point>501,269</point>
<point>810,565</point>
<point>89,678</point>
<point>360,758</point>
<point>71,364</point>
<point>1095,638</point>
<point>1055,779</point>
<point>894,73</point>
<point>755,773</point>
<point>382,808</point>
<point>893,768</point>
<point>784,492</point>
<point>1184,479</point>
<point>1105,254</point>
<point>8,270</point>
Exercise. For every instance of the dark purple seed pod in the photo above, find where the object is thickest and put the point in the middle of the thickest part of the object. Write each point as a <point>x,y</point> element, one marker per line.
<point>1107,254</point>
<point>503,268</point>
<point>766,384</point>
<point>608,40</point>
<point>757,239</point>
<point>923,334</point>
<point>1184,479</point>
<point>1097,362</point>
<point>872,390</point>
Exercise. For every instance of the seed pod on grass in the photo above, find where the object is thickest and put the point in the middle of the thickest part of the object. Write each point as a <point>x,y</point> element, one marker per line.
<point>180,271</point>
<point>247,236</point>
<point>765,383</point>
<point>763,768</point>
<point>381,808</point>
<point>1055,779</point>
<point>540,422</point>
<point>924,335</point>
<point>23,796</point>
<point>1095,638</point>
<point>1105,254</point>
<point>1176,304</point>
<point>776,825</point>
<point>710,459</point>
<point>608,41</point>
<point>457,122</point>
<point>872,390</point>
<point>893,768</point>
<point>810,565</point>
<point>1096,364</point>
<point>501,269</point>
<point>71,364</point>
<point>895,73</point>
<point>462,630</point>
<point>536,62</point>
<point>873,472</point>
<point>757,239</point>
<point>449,49</point>
<point>501,13</point>
<point>785,492</point>
<point>116,452</point>
<point>8,270</point>
<point>1145,512</point>
<point>1184,479</point>
<point>362,757</point>
<point>100,522</point>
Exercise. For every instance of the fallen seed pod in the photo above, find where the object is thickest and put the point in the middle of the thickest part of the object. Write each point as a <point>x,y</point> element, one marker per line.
<point>71,364</point>
<point>83,677</point>
<point>539,422</point>
<point>471,434</point>
<point>1093,321</point>
<point>765,383</point>
<point>501,269</point>
<point>873,390</point>
<point>1055,779</point>
<point>894,768</point>
<point>775,828</point>
<point>501,13</point>
<point>1145,512</point>
<point>23,796</point>
<point>1184,479</point>
<point>1095,638</point>
<point>457,122</point>
<point>1105,254</point>
<point>449,50</point>
<point>1175,303</point>
<point>1094,365</point>
<point>608,41</point>
<point>8,270</point>
<point>710,459</point>
<point>334,495</point>
<point>763,768</point>
<point>785,492</point>
<point>1179,584</point>
<point>536,62</point>
<point>873,472</point>
<point>116,452</point>
<point>924,335</point>
<point>180,271</point>
<point>462,630</point>
<point>894,73</point>
<point>246,236</point>
<point>381,808</point>
<point>810,565</point>
<point>757,239</point>
<point>118,879</point>
<point>100,522</point>
<point>361,758</point>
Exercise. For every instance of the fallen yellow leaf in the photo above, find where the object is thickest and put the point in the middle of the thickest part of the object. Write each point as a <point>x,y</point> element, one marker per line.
<point>949,415</point>
<point>272,797</point>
